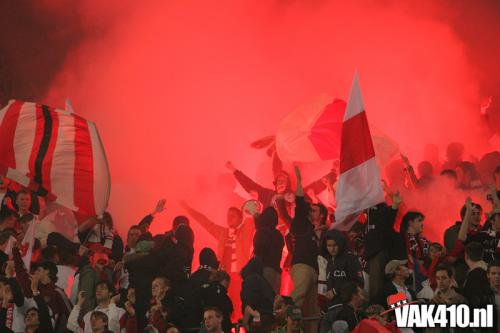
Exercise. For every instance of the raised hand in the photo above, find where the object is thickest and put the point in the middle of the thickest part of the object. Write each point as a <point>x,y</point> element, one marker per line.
<point>160,206</point>
<point>230,166</point>
<point>34,283</point>
<point>131,295</point>
<point>9,269</point>
<point>297,173</point>
<point>81,298</point>
<point>130,308</point>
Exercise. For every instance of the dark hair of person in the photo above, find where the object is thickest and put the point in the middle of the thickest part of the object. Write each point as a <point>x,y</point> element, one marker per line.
<point>494,263</point>
<point>348,291</point>
<point>405,222</point>
<point>447,268</point>
<point>474,251</point>
<point>323,211</point>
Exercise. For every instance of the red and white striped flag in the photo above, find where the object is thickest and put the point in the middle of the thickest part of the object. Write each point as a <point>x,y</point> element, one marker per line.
<point>55,152</point>
<point>359,186</point>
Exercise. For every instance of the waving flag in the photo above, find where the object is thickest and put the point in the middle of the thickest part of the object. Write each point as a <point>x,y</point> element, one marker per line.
<point>359,186</point>
<point>312,132</point>
<point>56,153</point>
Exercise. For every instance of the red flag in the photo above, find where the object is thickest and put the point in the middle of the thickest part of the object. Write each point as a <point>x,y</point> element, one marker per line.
<point>359,186</point>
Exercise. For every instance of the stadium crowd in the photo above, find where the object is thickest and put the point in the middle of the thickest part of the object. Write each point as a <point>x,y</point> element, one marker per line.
<point>342,280</point>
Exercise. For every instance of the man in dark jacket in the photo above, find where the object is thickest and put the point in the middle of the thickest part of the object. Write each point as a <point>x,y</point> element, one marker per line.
<point>305,255</point>
<point>342,267</point>
<point>268,245</point>
<point>397,272</point>
<point>352,297</point>
<point>476,288</point>
<point>379,240</point>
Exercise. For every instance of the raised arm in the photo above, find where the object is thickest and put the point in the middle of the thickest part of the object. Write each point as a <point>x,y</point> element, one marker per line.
<point>22,275</point>
<point>300,221</point>
<point>146,220</point>
<point>214,229</point>
<point>248,184</point>
<point>464,227</point>
<point>43,310</point>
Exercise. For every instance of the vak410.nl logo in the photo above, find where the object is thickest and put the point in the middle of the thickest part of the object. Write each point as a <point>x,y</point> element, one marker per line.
<point>413,315</point>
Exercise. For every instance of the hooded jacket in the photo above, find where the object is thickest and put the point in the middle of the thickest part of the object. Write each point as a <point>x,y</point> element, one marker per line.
<point>342,268</point>
<point>268,242</point>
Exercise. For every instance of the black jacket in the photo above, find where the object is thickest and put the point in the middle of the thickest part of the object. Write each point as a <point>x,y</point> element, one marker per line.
<point>476,288</point>
<point>345,267</point>
<point>348,314</point>
<point>256,292</point>
<point>268,242</point>
<point>306,249</point>
<point>380,233</point>
<point>387,290</point>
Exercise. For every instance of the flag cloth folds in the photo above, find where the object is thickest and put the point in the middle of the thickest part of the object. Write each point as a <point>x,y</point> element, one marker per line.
<point>359,186</point>
<point>55,153</point>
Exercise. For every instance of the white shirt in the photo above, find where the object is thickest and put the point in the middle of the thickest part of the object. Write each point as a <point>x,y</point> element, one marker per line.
<point>113,312</point>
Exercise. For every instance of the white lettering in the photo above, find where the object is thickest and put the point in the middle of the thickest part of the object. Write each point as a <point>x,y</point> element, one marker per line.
<point>440,316</point>
<point>462,315</point>
<point>402,316</point>
<point>414,318</point>
<point>426,315</point>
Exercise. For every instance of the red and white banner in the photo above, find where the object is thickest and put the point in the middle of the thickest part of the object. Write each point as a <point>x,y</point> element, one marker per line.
<point>312,133</point>
<point>359,186</point>
<point>55,152</point>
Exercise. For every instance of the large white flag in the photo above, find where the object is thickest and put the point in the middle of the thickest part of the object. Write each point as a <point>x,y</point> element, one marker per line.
<point>359,186</point>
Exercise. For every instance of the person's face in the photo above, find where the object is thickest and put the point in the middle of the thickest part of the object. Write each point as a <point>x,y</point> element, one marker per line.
<point>315,214</point>
<point>332,247</point>
<point>233,218</point>
<point>158,288</point>
<point>102,292</point>
<point>443,280</point>
<point>281,183</point>
<point>403,272</point>
<point>417,225</point>
<point>293,325</point>
<point>97,324</point>
<point>31,318</point>
<point>494,277</point>
<point>41,273</point>
<point>212,321</point>
<point>475,217</point>
<point>23,201</point>
<point>132,237</point>
<point>434,252</point>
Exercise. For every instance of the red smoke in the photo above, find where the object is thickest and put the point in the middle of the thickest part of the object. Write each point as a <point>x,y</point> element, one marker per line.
<point>179,87</point>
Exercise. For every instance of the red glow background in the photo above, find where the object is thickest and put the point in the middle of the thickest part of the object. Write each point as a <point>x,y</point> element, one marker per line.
<point>179,87</point>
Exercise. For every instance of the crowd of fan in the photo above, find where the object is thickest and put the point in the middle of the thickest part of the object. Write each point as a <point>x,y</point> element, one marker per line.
<point>341,280</point>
